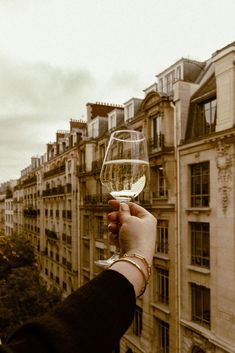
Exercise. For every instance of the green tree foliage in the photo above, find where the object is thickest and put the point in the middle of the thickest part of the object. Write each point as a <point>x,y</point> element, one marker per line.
<point>23,295</point>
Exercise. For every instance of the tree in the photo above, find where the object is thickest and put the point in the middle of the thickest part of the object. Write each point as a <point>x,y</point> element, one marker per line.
<point>23,295</point>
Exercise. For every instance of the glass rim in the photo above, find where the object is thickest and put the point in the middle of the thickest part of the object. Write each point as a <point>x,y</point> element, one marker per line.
<point>142,138</point>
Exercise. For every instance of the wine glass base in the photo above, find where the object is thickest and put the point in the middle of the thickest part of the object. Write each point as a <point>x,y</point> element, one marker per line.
<point>106,263</point>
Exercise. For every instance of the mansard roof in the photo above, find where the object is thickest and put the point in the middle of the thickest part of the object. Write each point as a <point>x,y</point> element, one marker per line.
<point>207,89</point>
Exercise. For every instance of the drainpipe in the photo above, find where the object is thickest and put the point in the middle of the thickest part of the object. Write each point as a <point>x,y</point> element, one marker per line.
<point>177,222</point>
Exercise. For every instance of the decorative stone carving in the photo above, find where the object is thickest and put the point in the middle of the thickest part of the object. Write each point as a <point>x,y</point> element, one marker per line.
<point>224,166</point>
<point>193,340</point>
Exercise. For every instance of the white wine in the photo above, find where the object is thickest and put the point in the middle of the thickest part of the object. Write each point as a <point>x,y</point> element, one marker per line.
<point>125,178</point>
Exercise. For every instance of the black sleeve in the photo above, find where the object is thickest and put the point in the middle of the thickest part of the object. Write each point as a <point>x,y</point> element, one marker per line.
<point>90,320</point>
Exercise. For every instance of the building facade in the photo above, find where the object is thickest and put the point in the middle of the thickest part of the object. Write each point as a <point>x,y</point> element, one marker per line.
<point>187,117</point>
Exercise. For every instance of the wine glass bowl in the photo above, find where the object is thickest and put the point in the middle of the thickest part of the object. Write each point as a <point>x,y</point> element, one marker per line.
<point>125,169</point>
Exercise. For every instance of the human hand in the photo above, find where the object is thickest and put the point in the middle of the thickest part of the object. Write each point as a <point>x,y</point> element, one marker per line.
<point>134,228</point>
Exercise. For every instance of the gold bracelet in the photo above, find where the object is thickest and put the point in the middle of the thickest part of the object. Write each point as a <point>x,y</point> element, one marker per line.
<point>143,259</point>
<point>138,267</point>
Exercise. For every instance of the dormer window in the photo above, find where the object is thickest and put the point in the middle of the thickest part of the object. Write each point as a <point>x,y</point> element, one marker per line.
<point>203,118</point>
<point>128,111</point>
<point>93,129</point>
<point>112,121</point>
<point>207,116</point>
<point>169,82</point>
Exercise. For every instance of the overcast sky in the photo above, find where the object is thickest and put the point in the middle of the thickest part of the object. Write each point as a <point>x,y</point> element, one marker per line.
<point>57,55</point>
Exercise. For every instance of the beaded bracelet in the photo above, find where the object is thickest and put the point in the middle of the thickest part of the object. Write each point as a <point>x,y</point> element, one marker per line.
<point>138,267</point>
<point>143,259</point>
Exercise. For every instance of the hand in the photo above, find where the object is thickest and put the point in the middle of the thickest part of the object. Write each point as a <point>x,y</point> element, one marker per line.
<point>134,228</point>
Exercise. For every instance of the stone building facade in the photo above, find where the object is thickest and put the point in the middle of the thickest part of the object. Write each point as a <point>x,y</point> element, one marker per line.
<point>187,117</point>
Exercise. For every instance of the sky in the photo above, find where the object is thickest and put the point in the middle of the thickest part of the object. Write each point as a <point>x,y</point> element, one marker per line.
<point>57,55</point>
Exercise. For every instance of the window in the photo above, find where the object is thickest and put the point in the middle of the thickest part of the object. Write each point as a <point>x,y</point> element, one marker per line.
<point>162,236</point>
<point>169,82</point>
<point>99,227</point>
<point>158,137</point>
<point>200,244</point>
<point>102,151</point>
<point>159,183</point>
<point>207,117</point>
<point>112,121</point>
<point>160,85</point>
<point>178,73</point>
<point>200,304</point>
<point>163,337</point>
<point>197,350</point>
<point>128,111</point>
<point>86,254</point>
<point>86,226</point>
<point>137,321</point>
<point>200,185</point>
<point>162,290</point>
<point>94,129</point>
<point>100,254</point>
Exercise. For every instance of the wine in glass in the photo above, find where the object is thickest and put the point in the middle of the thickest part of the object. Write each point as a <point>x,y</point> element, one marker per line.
<point>125,169</point>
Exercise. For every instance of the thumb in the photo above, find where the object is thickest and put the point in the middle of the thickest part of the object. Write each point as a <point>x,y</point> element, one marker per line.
<point>124,212</point>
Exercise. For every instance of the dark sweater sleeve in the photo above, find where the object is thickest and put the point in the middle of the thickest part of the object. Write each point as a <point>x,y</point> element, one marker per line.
<point>90,320</point>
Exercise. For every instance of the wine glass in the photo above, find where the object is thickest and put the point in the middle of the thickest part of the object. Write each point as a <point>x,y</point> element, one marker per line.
<point>125,170</point>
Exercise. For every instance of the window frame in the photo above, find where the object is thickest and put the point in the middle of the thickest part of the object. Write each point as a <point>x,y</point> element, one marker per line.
<point>199,296</point>
<point>201,198</point>
<point>200,244</point>
<point>162,241</point>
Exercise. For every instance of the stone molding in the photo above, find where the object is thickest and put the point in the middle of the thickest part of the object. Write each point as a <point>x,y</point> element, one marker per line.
<point>224,168</point>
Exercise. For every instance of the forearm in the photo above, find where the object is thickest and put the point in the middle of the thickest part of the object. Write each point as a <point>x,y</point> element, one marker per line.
<point>92,319</point>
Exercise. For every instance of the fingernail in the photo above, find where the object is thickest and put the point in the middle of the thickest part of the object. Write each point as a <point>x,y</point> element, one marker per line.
<point>109,225</point>
<point>124,206</point>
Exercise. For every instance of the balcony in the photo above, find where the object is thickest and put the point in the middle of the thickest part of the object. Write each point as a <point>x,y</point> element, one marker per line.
<point>51,234</point>
<point>30,180</point>
<point>156,144</point>
<point>56,191</point>
<point>55,171</point>
<point>94,199</point>
<point>30,212</point>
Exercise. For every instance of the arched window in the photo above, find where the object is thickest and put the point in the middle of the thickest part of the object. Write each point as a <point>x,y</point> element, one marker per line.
<point>197,350</point>
<point>129,350</point>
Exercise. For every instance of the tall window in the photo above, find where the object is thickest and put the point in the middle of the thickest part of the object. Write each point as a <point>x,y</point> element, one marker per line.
<point>86,254</point>
<point>200,305</point>
<point>207,117</point>
<point>169,82</point>
<point>200,185</point>
<point>200,244</point>
<point>162,236</point>
<point>86,226</point>
<point>99,227</point>
<point>158,137</point>
<point>160,183</point>
<point>162,289</point>
<point>137,321</point>
<point>164,337</point>
<point>100,255</point>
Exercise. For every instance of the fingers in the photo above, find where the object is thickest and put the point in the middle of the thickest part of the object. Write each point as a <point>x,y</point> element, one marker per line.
<point>114,204</point>
<point>135,210</point>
